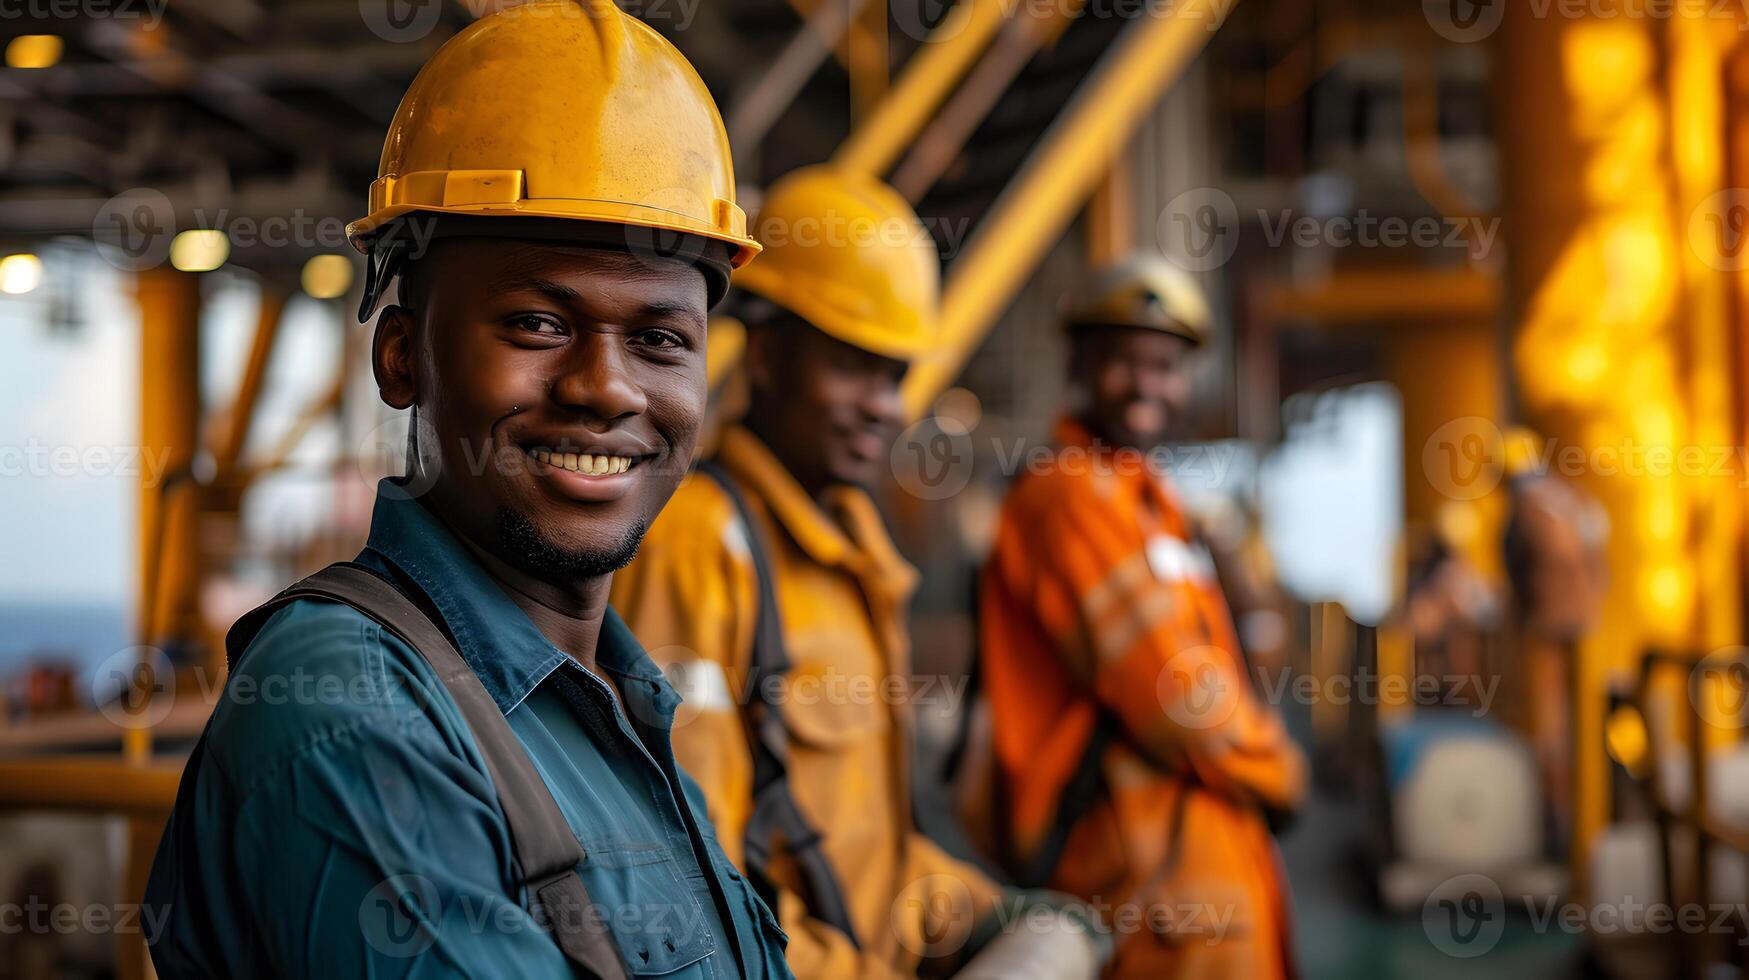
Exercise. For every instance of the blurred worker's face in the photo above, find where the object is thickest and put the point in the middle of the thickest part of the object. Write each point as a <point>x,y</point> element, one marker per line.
<point>827,409</point>
<point>559,393</point>
<point>1137,383</point>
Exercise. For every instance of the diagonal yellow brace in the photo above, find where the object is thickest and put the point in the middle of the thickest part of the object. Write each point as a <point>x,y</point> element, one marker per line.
<point>925,82</point>
<point>1038,204</point>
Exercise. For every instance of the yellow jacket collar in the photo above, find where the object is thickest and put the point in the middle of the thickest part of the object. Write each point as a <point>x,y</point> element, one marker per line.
<point>814,530</point>
<point>1125,471</point>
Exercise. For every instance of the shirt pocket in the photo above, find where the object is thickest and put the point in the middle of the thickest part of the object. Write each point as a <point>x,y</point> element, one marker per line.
<point>827,709</point>
<point>647,904</point>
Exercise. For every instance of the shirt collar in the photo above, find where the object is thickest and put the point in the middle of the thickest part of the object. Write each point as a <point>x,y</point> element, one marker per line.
<point>1133,477</point>
<point>497,639</point>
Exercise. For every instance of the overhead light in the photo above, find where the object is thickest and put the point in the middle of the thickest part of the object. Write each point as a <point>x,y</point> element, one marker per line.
<point>21,273</point>
<point>199,250</point>
<point>33,51</point>
<point>328,276</point>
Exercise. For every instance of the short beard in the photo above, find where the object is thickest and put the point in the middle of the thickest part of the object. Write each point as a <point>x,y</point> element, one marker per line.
<point>524,543</point>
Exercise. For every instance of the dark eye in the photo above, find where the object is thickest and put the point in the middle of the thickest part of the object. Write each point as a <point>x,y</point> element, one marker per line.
<point>538,323</point>
<point>661,338</point>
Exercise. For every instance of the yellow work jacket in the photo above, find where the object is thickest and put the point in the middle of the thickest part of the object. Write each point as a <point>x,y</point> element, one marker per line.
<point>842,589</point>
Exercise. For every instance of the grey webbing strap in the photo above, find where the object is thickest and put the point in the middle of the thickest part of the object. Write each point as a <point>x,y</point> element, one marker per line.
<point>776,815</point>
<point>547,852</point>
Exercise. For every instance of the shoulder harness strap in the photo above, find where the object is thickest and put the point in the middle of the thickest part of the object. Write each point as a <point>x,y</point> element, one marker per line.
<point>547,852</point>
<point>776,817</point>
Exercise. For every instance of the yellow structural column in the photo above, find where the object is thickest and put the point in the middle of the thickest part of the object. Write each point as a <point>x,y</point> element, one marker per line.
<point>1608,308</point>
<point>169,304</point>
<point>1702,38</point>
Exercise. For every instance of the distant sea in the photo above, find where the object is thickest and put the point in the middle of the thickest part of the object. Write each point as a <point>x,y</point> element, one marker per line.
<point>76,634</point>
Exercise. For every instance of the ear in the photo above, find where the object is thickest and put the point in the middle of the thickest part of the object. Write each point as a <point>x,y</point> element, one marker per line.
<point>391,357</point>
<point>757,359</point>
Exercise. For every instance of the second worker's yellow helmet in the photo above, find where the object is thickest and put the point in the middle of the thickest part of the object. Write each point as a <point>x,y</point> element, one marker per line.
<point>846,253</point>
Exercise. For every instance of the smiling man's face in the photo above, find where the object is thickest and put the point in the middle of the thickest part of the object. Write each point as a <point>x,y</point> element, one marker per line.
<point>559,390</point>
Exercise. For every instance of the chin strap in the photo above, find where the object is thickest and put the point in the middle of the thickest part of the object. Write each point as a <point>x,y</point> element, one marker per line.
<point>388,254</point>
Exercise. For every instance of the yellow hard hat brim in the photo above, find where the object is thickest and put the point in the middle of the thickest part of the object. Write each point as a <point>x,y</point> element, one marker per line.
<point>608,212</point>
<point>1184,332</point>
<point>794,297</point>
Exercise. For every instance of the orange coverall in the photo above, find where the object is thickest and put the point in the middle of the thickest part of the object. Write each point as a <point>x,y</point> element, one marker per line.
<point>1095,604</point>
<point>842,589</point>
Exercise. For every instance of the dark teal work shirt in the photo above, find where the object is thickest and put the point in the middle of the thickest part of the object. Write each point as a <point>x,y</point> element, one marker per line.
<point>339,821</point>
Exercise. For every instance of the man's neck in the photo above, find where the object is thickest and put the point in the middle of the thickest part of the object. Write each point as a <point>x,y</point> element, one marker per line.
<point>569,614</point>
<point>815,489</point>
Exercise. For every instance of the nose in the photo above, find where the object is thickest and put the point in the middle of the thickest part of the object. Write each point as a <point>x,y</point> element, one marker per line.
<point>1162,385</point>
<point>881,403</point>
<point>597,380</point>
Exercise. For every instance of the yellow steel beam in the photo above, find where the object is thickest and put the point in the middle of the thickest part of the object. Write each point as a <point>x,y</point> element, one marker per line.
<point>101,784</point>
<point>169,303</point>
<point>169,515</point>
<point>753,114</point>
<point>1410,294</point>
<point>133,959</point>
<point>942,139</point>
<point>925,81</point>
<point>1042,199</point>
<point>234,433</point>
<point>1111,218</point>
<point>869,61</point>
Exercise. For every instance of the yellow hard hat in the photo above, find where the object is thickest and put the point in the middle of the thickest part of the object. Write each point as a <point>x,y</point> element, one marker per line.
<point>561,109</point>
<point>846,253</point>
<point>1145,291</point>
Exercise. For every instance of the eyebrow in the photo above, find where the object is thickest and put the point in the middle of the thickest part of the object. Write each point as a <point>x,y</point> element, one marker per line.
<point>546,287</point>
<point>559,292</point>
<point>663,310</point>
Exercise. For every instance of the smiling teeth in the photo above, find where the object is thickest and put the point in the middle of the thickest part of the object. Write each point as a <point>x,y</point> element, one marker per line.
<point>584,462</point>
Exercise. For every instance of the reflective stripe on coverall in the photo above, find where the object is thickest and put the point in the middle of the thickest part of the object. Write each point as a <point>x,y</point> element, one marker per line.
<point>1095,604</point>
<point>843,590</point>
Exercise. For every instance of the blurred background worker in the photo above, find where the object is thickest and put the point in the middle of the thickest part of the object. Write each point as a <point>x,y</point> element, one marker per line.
<point>1136,767</point>
<point>771,589</point>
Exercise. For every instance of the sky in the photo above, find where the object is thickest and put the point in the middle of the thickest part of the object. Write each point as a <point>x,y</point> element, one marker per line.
<point>67,524</point>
